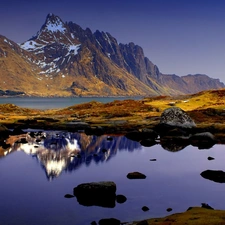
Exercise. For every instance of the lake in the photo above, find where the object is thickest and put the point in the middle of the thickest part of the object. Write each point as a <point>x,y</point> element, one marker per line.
<point>35,177</point>
<point>52,103</point>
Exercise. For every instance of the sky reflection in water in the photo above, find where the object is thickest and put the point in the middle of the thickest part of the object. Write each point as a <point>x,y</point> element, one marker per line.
<point>27,197</point>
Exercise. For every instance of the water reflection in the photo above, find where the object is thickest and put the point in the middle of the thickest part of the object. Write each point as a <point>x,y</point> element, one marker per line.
<point>65,151</point>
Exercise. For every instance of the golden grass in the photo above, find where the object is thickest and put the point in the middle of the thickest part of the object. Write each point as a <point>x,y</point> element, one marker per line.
<point>195,216</point>
<point>205,108</point>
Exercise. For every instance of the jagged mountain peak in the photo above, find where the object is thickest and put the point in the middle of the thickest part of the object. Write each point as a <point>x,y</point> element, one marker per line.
<point>77,61</point>
<point>53,23</point>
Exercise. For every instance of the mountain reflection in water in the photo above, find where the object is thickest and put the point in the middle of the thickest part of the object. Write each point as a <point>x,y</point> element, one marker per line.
<point>64,151</point>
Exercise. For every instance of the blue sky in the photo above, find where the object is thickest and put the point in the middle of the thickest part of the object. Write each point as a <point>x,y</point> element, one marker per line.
<point>179,36</point>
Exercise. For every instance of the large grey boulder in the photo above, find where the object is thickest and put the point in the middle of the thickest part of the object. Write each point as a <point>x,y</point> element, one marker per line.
<point>176,117</point>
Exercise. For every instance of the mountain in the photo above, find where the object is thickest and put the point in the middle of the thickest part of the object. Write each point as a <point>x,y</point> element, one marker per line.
<point>63,59</point>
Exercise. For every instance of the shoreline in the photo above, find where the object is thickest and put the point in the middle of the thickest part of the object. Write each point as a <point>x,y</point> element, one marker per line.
<point>135,119</point>
<point>193,216</point>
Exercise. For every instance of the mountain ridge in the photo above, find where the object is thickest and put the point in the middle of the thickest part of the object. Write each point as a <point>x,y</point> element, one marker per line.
<point>63,59</point>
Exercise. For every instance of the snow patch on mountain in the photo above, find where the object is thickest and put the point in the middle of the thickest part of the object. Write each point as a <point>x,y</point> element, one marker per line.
<point>31,46</point>
<point>73,49</point>
<point>55,27</point>
<point>8,42</point>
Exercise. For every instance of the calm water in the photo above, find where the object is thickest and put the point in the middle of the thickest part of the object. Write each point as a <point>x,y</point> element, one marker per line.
<point>35,177</point>
<point>50,103</point>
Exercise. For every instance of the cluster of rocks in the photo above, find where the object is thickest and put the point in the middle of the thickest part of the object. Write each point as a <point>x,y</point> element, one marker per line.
<point>175,131</point>
<point>101,194</point>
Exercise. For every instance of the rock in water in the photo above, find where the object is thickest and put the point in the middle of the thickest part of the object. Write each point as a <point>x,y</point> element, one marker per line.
<point>214,175</point>
<point>136,175</point>
<point>111,221</point>
<point>96,193</point>
<point>203,140</point>
<point>176,117</point>
<point>145,208</point>
<point>120,199</point>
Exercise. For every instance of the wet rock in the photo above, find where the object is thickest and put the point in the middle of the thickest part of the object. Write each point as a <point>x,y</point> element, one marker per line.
<point>210,158</point>
<point>206,206</point>
<point>111,221</point>
<point>93,223</point>
<point>136,175</point>
<point>149,134</point>
<point>214,175</point>
<point>69,196</point>
<point>145,208</point>
<point>203,140</point>
<point>169,209</point>
<point>148,142</point>
<point>134,135</point>
<point>121,199</point>
<point>96,193</point>
<point>176,117</point>
<point>153,160</point>
<point>145,134</point>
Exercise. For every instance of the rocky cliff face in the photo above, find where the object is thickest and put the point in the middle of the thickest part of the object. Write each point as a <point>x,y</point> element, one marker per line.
<point>64,59</point>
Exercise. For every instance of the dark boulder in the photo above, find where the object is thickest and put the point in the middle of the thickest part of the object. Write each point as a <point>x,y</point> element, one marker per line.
<point>96,193</point>
<point>214,175</point>
<point>148,142</point>
<point>68,196</point>
<point>210,158</point>
<point>142,135</point>
<point>121,199</point>
<point>110,221</point>
<point>145,208</point>
<point>134,135</point>
<point>203,140</point>
<point>136,175</point>
<point>149,134</point>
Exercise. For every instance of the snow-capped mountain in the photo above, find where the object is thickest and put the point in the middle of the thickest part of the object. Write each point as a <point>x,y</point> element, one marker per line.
<point>63,59</point>
<point>53,45</point>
